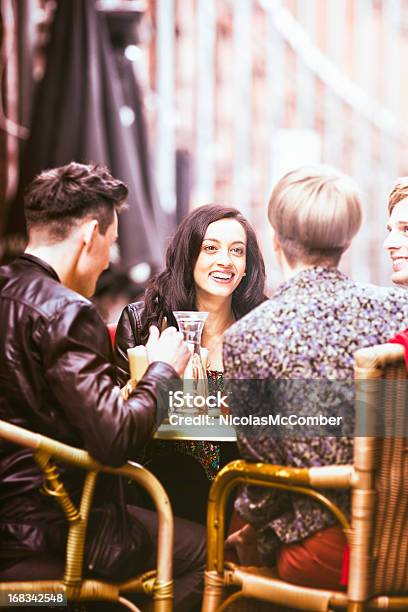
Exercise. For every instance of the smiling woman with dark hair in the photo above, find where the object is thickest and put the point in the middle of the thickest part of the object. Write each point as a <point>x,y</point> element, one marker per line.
<point>213,264</point>
<point>175,287</point>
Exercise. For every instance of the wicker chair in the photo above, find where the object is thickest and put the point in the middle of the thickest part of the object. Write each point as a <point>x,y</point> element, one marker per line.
<point>378,537</point>
<point>157,583</point>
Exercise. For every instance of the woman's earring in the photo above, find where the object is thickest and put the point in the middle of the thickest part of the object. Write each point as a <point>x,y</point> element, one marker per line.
<point>244,274</point>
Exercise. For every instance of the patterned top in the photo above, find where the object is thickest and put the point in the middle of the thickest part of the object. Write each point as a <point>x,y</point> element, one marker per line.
<point>309,332</point>
<point>205,452</point>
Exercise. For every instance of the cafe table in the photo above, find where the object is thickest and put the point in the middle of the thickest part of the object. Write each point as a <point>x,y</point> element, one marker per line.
<point>190,502</point>
<point>212,427</point>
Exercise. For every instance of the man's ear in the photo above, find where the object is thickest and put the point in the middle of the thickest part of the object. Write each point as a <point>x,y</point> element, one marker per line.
<point>277,249</point>
<point>90,229</point>
<point>276,245</point>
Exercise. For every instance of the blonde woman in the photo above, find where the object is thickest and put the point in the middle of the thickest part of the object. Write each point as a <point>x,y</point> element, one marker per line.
<point>298,343</point>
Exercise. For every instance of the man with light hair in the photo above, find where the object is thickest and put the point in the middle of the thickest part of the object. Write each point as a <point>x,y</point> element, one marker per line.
<point>396,242</point>
<point>294,355</point>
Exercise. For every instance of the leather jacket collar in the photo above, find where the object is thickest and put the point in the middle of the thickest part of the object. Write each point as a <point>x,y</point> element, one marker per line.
<point>32,259</point>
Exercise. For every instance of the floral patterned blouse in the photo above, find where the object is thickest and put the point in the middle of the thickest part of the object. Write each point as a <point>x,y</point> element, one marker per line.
<point>306,333</point>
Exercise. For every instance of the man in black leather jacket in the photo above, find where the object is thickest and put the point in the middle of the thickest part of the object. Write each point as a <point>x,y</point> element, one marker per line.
<point>57,378</point>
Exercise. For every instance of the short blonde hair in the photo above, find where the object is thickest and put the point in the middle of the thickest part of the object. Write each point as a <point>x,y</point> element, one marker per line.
<point>315,211</point>
<point>399,192</point>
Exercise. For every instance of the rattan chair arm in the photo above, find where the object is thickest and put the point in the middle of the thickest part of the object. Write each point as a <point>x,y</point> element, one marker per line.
<point>332,476</point>
<point>296,480</point>
<point>373,358</point>
<point>327,476</point>
<point>19,435</point>
<point>261,585</point>
<point>82,459</point>
<point>69,454</point>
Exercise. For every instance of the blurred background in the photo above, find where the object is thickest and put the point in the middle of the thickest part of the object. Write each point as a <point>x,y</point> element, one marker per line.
<point>199,101</point>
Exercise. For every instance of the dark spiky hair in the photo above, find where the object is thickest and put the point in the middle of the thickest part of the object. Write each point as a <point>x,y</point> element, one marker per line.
<point>58,198</point>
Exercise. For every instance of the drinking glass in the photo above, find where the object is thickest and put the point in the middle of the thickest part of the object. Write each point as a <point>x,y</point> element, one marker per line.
<point>191,324</point>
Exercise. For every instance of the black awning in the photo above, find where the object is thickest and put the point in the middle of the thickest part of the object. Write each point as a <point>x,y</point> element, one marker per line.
<point>77,116</point>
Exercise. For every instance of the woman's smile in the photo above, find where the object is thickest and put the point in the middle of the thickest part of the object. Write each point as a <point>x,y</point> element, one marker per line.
<point>222,276</point>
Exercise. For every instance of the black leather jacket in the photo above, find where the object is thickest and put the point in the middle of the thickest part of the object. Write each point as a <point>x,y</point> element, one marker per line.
<point>128,334</point>
<point>57,378</point>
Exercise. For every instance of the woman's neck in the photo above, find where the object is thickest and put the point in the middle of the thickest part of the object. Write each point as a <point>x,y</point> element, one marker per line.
<point>220,316</point>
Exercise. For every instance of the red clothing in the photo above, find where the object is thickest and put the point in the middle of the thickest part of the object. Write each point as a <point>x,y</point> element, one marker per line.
<point>402,338</point>
<point>316,561</point>
<point>319,561</point>
<point>112,332</point>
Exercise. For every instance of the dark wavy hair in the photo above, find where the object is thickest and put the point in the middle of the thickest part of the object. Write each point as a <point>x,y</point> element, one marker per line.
<point>174,288</point>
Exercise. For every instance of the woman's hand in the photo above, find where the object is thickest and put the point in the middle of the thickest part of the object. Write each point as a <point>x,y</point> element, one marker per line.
<point>244,542</point>
<point>169,347</point>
